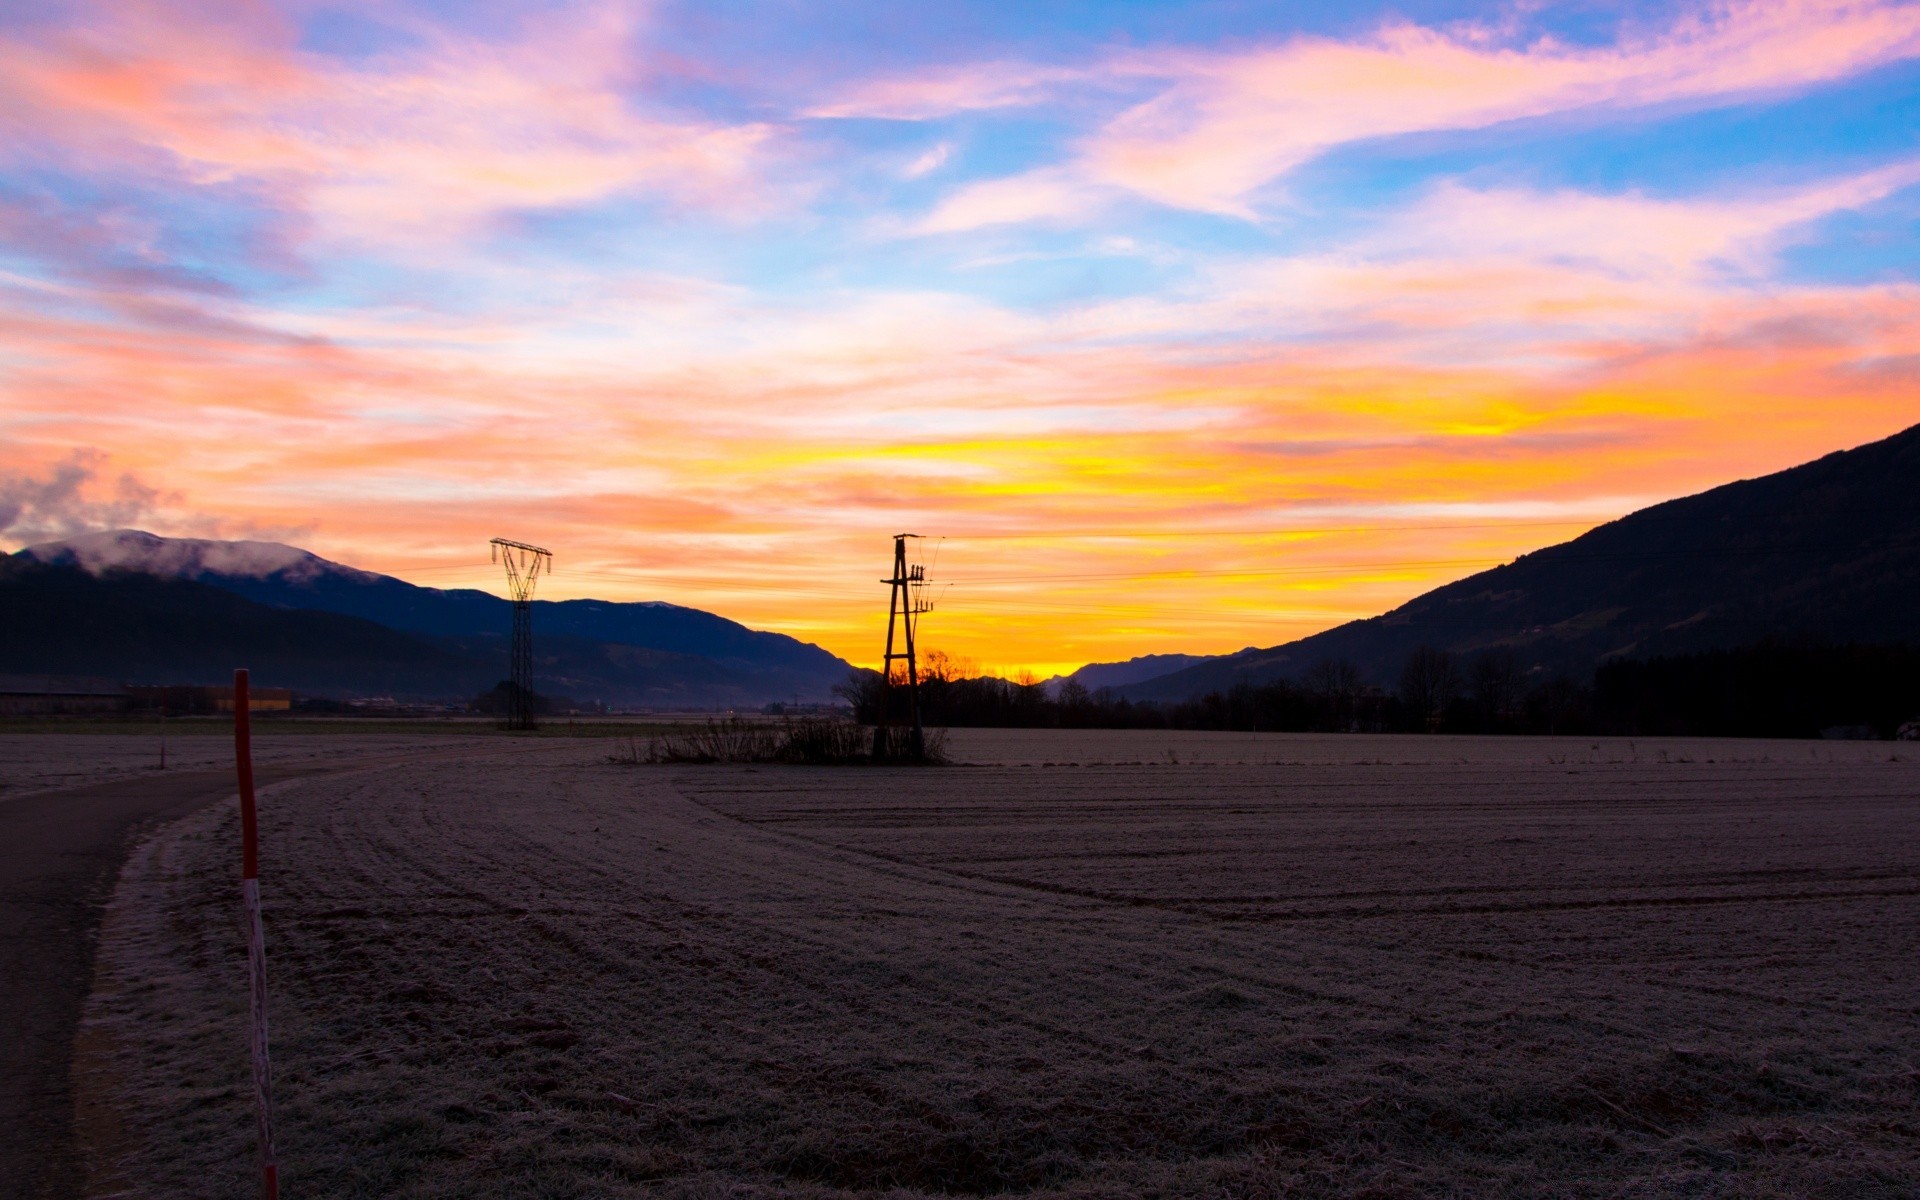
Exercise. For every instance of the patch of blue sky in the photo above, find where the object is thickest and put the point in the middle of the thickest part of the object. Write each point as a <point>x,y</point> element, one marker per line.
<point>351,35</point>
<point>1876,244</point>
<point>350,283</point>
<point>1183,233</point>
<point>1031,270</point>
<point>1740,146</point>
<point>626,235</point>
<point>1035,267</point>
<point>1584,23</point>
<point>209,238</point>
<point>981,145</point>
<point>44,14</point>
<point>503,20</point>
<point>855,180</point>
<point>1338,194</point>
<point>859,36</point>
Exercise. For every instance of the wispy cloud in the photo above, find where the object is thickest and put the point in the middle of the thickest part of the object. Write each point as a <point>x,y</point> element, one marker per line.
<point>421,143</point>
<point>1227,124</point>
<point>1037,195</point>
<point>941,92</point>
<point>931,160</point>
<point>1527,278</point>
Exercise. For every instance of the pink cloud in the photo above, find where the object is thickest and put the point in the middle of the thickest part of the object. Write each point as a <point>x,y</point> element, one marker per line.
<point>419,143</point>
<point>1507,276</point>
<point>1626,235</point>
<point>1037,195</point>
<point>1229,123</point>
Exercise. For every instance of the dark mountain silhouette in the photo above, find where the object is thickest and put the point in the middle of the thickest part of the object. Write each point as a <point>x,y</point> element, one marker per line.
<point>1095,676</point>
<point>287,577</point>
<point>1827,552</point>
<point>623,653</point>
<point>135,628</point>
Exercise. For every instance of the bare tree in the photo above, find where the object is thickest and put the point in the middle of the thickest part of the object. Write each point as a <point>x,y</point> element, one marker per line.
<point>1029,691</point>
<point>866,692</point>
<point>1336,681</point>
<point>1499,685</point>
<point>1428,683</point>
<point>939,666</point>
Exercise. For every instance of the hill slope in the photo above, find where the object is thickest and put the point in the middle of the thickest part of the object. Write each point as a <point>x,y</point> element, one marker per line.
<point>1827,550</point>
<point>1095,676</point>
<point>135,628</point>
<point>206,606</point>
<point>287,577</point>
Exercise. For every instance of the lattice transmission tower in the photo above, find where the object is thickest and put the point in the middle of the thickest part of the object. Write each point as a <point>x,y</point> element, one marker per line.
<point>525,565</point>
<point>898,733</point>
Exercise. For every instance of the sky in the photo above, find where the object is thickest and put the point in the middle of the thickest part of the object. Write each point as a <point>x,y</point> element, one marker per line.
<point>1172,327</point>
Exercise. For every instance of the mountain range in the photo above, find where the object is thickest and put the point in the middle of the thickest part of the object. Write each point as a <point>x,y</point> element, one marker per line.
<point>1096,676</point>
<point>1827,551</point>
<point>131,605</point>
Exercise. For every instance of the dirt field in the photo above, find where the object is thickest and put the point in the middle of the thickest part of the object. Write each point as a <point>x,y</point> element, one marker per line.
<point>1222,965</point>
<point>41,762</point>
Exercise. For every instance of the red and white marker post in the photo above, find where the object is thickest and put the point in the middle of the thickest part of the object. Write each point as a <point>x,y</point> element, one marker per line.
<point>256,940</point>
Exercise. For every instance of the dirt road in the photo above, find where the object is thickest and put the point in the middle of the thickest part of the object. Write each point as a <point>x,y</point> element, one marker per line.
<point>59,854</point>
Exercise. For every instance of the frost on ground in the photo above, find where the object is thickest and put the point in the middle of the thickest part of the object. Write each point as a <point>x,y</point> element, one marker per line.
<point>1495,972</point>
<point>49,761</point>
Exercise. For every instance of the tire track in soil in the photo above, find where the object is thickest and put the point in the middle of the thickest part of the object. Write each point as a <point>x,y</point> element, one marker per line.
<point>791,815</point>
<point>775,955</point>
<point>1126,936</point>
<point>812,962</point>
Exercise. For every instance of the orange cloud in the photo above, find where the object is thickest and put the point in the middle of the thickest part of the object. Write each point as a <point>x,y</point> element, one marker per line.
<point>1070,538</point>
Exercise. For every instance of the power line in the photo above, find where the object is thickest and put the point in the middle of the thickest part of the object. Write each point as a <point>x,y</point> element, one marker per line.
<point>1146,534</point>
<point>1321,569</point>
<point>1291,531</point>
<point>987,599</point>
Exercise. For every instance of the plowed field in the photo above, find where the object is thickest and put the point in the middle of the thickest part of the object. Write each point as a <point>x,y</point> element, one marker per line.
<point>1227,966</point>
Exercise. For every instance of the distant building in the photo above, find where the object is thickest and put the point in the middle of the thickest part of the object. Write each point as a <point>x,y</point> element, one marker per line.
<point>188,699</point>
<point>1848,733</point>
<point>28,695</point>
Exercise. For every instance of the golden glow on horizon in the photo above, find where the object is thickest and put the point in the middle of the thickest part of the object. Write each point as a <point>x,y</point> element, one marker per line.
<point>388,305</point>
<point>1060,549</point>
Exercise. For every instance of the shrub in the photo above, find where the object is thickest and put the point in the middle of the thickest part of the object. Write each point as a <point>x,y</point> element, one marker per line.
<point>808,740</point>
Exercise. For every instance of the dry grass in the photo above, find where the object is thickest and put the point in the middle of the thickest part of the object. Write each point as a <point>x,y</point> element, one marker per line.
<point>1489,975</point>
<point>812,741</point>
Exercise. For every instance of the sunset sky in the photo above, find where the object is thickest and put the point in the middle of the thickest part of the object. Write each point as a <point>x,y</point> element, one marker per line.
<point>1182,327</point>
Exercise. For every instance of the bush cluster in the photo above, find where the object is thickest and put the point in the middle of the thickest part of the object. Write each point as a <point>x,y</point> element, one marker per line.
<point>805,740</point>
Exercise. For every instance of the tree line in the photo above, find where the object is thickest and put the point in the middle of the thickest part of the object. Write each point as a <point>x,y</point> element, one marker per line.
<point>1772,689</point>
